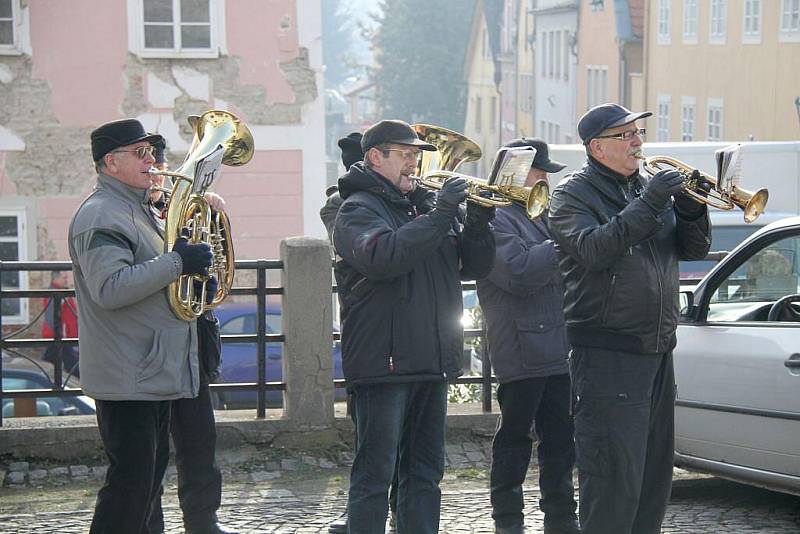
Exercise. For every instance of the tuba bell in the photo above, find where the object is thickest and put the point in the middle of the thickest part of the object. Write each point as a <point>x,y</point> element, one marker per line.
<point>219,137</point>
<point>453,149</point>
<point>702,188</point>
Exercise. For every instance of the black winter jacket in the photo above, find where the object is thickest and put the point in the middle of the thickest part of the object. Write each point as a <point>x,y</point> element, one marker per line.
<point>619,260</point>
<point>399,283</point>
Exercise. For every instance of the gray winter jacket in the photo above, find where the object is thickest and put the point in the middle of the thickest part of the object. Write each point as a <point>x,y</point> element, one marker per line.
<point>522,300</point>
<point>132,346</point>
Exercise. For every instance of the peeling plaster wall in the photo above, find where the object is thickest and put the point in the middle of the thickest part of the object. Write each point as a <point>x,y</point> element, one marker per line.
<point>81,74</point>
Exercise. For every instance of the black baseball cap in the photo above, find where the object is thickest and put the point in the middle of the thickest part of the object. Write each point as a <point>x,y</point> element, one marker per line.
<point>119,133</point>
<point>392,131</point>
<point>601,118</point>
<point>542,159</point>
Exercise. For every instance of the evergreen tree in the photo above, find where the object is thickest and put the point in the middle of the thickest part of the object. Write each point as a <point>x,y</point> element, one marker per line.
<point>420,48</point>
<point>337,33</point>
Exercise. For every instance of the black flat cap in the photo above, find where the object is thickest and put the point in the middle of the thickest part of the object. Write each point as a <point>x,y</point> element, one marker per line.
<point>392,131</point>
<point>351,149</point>
<point>119,133</point>
<point>601,118</point>
<point>542,159</point>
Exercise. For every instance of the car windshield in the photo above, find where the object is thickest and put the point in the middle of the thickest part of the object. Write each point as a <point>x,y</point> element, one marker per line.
<point>723,238</point>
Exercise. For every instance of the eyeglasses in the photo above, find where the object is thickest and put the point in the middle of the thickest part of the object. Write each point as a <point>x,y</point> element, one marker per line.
<point>141,152</point>
<point>407,155</point>
<point>624,136</point>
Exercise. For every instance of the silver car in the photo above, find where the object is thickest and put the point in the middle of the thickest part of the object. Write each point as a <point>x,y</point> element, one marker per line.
<point>737,364</point>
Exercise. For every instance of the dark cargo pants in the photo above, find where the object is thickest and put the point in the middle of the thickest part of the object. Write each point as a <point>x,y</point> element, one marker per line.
<point>624,438</point>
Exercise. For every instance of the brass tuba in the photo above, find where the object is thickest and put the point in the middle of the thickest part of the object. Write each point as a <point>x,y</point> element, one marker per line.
<point>453,150</point>
<point>217,135</point>
<point>704,189</point>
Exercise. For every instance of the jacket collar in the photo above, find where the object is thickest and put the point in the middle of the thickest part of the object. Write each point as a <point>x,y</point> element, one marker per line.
<point>117,188</point>
<point>611,183</point>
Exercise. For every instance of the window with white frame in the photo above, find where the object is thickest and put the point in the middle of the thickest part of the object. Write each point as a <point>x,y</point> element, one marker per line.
<point>12,248</point>
<point>596,85</point>
<point>790,20</point>
<point>690,21</point>
<point>544,54</point>
<point>493,113</point>
<point>557,54</point>
<point>718,21</point>
<point>14,28</point>
<point>551,68</point>
<point>714,131</point>
<point>565,55</point>
<point>664,21</point>
<point>751,22</point>
<point>663,109</point>
<point>688,107</point>
<point>178,28</point>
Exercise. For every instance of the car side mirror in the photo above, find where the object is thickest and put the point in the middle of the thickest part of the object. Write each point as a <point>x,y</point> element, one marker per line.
<point>686,304</point>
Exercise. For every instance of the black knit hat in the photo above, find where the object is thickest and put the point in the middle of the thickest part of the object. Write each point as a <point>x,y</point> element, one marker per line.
<point>119,133</point>
<point>542,158</point>
<point>160,145</point>
<point>351,149</point>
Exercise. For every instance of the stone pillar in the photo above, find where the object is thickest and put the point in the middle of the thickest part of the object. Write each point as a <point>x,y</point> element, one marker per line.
<point>307,326</point>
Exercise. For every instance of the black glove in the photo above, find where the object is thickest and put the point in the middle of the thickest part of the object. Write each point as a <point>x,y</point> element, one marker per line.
<point>687,207</point>
<point>661,187</point>
<point>478,217</point>
<point>196,258</point>
<point>453,193</point>
<point>211,288</point>
<point>423,199</point>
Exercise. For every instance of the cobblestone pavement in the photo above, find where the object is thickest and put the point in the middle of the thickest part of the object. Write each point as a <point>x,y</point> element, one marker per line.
<point>308,502</point>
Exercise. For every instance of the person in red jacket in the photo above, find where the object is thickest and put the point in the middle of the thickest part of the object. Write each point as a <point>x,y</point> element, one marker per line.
<point>69,325</point>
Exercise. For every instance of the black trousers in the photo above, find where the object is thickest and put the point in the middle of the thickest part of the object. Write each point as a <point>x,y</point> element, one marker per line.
<point>624,433</point>
<point>135,437</point>
<point>540,403</point>
<point>194,435</point>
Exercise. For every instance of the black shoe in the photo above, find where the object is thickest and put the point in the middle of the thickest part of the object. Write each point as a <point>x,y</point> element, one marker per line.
<point>511,529</point>
<point>214,528</point>
<point>340,525</point>
<point>567,525</point>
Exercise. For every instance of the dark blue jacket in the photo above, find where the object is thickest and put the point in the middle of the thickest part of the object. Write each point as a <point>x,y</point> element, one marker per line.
<point>522,300</point>
<point>399,282</point>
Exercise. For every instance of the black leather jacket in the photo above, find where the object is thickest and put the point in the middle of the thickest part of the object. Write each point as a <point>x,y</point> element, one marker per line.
<point>619,260</point>
<point>399,282</point>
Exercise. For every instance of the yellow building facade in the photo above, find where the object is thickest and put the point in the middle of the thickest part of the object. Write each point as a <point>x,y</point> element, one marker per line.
<point>722,70</point>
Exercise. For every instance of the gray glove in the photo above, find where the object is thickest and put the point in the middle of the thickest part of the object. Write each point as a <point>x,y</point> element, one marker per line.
<point>661,187</point>
<point>453,193</point>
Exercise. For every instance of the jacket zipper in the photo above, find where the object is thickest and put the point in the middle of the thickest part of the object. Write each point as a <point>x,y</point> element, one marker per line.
<point>607,303</point>
<point>660,295</point>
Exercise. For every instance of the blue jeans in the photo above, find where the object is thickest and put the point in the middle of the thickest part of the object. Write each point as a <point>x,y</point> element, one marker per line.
<point>406,420</point>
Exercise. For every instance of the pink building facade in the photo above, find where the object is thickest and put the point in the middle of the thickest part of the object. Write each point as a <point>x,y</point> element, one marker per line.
<point>66,67</point>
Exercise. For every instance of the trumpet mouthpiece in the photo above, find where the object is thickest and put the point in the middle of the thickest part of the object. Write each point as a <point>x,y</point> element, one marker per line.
<point>638,154</point>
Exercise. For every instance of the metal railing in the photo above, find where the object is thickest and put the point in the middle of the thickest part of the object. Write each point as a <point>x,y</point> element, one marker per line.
<point>12,343</point>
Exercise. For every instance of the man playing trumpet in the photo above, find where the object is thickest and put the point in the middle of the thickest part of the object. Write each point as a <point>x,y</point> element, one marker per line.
<point>619,242</point>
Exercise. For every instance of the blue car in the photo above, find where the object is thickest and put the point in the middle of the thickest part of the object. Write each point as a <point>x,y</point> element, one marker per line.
<point>239,359</point>
<point>20,379</point>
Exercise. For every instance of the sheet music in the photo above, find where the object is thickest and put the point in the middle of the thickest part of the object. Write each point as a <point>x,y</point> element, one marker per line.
<point>206,170</point>
<point>729,167</point>
<point>511,166</point>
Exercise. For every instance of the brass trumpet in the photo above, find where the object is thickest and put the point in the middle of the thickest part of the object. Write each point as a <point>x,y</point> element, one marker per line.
<point>453,150</point>
<point>704,188</point>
